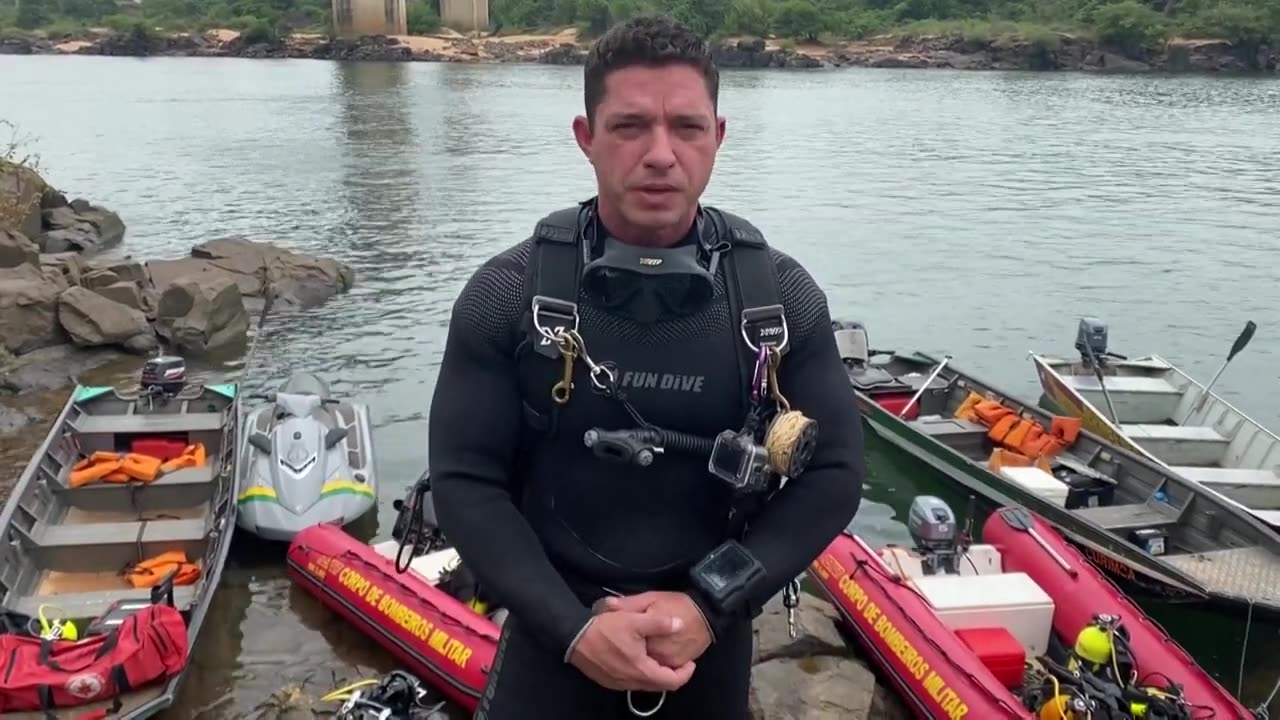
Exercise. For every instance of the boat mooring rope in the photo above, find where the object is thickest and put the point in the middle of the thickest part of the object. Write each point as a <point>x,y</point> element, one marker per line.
<point>1261,712</point>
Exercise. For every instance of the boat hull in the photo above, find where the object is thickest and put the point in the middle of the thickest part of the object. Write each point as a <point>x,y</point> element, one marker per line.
<point>1120,566</point>
<point>1259,450</point>
<point>941,676</point>
<point>438,638</point>
<point>194,506</point>
<point>1071,403</point>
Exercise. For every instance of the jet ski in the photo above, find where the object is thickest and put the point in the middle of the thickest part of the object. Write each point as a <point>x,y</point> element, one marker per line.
<point>305,458</point>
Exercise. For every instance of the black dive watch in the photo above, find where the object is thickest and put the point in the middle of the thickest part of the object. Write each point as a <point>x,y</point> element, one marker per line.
<point>726,575</point>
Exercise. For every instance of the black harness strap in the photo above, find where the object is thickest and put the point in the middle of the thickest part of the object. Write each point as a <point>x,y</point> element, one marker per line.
<point>755,298</point>
<point>551,289</point>
<point>555,270</point>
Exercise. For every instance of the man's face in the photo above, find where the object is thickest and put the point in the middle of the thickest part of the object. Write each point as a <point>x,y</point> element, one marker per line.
<point>653,145</point>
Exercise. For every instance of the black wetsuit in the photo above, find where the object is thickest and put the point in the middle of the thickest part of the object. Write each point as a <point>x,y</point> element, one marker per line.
<point>546,528</point>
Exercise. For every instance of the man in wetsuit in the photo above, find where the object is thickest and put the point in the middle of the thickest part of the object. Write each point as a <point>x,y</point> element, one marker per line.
<point>597,561</point>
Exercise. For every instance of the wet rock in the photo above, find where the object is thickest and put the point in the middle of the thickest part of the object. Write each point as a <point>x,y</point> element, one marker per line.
<point>79,227</point>
<point>12,420</point>
<point>28,310</point>
<point>91,319</point>
<point>816,632</point>
<point>201,313</point>
<point>812,688</point>
<point>16,249</point>
<point>20,191</point>
<point>53,368</point>
<point>292,278</point>
<point>814,676</point>
<point>68,264</point>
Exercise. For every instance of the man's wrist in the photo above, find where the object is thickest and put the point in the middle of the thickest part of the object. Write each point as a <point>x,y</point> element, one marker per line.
<point>573,644</point>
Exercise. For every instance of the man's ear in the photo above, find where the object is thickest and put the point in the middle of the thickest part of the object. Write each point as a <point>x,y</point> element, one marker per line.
<point>582,133</point>
<point>720,128</point>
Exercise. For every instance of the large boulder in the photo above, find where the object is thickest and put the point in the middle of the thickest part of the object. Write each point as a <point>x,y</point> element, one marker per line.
<point>258,269</point>
<point>293,278</point>
<point>201,313</point>
<point>21,190</point>
<point>79,227</point>
<point>16,249</point>
<point>813,676</point>
<point>91,319</point>
<point>28,310</point>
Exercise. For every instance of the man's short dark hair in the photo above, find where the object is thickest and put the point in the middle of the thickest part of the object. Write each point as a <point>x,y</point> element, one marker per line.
<point>652,41</point>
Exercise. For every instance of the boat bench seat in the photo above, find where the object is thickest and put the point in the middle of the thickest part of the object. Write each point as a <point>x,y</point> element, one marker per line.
<point>1179,444</point>
<point>166,532</point>
<point>94,604</point>
<point>955,433</point>
<point>1126,517</point>
<point>1119,384</point>
<point>202,475</point>
<point>1212,476</point>
<point>150,423</point>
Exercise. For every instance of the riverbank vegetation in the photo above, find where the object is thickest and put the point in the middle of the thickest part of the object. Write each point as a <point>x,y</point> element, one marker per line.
<point>1129,26</point>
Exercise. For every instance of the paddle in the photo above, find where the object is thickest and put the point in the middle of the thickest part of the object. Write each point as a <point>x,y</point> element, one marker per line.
<point>1019,518</point>
<point>1097,372</point>
<point>1245,336</point>
<point>903,412</point>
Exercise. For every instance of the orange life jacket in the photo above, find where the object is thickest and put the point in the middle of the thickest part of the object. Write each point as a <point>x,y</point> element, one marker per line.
<point>126,467</point>
<point>152,570</point>
<point>1018,433</point>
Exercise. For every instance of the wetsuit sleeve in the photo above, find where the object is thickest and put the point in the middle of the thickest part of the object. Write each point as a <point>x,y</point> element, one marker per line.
<point>802,518</point>
<point>474,430</point>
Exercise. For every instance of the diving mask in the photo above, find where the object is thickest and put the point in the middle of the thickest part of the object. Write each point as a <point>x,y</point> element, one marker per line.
<point>648,283</point>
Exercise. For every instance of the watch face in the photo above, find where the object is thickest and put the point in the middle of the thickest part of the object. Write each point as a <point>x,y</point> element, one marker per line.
<point>724,565</point>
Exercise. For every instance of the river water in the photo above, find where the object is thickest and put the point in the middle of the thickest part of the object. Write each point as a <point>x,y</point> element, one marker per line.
<point>978,214</point>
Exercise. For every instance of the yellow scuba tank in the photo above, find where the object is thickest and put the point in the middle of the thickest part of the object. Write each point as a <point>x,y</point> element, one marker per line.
<point>1063,707</point>
<point>1093,647</point>
<point>1095,650</point>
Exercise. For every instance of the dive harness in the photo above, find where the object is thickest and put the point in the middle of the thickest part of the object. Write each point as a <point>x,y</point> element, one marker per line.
<point>775,440</point>
<point>1099,681</point>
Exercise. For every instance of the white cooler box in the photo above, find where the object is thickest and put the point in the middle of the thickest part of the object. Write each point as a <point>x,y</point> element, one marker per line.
<point>1039,482</point>
<point>1012,601</point>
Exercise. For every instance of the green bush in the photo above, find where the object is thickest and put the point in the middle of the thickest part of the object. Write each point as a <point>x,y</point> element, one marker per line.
<point>1130,27</point>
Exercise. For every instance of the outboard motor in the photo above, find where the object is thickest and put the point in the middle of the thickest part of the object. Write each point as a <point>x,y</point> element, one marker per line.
<point>935,532</point>
<point>163,375</point>
<point>851,342</point>
<point>1091,339</point>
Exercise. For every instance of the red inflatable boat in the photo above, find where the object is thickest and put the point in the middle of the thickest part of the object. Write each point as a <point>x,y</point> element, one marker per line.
<point>991,630</point>
<point>439,638</point>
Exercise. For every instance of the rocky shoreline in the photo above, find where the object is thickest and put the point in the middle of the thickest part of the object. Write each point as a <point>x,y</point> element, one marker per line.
<point>1059,52</point>
<point>63,309</point>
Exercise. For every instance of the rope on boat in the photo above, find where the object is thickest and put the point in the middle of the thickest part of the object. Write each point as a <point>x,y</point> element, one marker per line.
<point>1261,712</point>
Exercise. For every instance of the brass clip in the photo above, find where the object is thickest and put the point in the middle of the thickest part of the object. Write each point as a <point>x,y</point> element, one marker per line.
<point>569,351</point>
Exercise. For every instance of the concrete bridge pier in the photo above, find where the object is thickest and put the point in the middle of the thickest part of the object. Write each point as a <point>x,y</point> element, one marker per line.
<point>352,18</point>
<point>465,16</point>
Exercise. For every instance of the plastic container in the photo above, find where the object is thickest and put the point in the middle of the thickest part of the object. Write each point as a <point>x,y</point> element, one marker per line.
<point>999,651</point>
<point>1039,482</point>
<point>1012,601</point>
<point>160,447</point>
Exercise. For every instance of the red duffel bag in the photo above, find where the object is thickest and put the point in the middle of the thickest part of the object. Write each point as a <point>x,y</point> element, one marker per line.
<point>148,646</point>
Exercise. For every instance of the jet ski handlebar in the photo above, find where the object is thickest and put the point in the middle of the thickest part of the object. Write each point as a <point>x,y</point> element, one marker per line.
<point>271,397</point>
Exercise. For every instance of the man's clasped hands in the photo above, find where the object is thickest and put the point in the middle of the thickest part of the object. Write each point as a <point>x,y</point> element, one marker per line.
<point>643,642</point>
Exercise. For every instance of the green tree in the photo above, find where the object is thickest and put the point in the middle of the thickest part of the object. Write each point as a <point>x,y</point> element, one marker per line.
<point>33,14</point>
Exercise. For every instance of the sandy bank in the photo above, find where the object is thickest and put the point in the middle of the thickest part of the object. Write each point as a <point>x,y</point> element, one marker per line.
<point>1060,52</point>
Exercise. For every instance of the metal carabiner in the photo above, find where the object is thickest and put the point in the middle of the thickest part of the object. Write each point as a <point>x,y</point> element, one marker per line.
<point>647,713</point>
